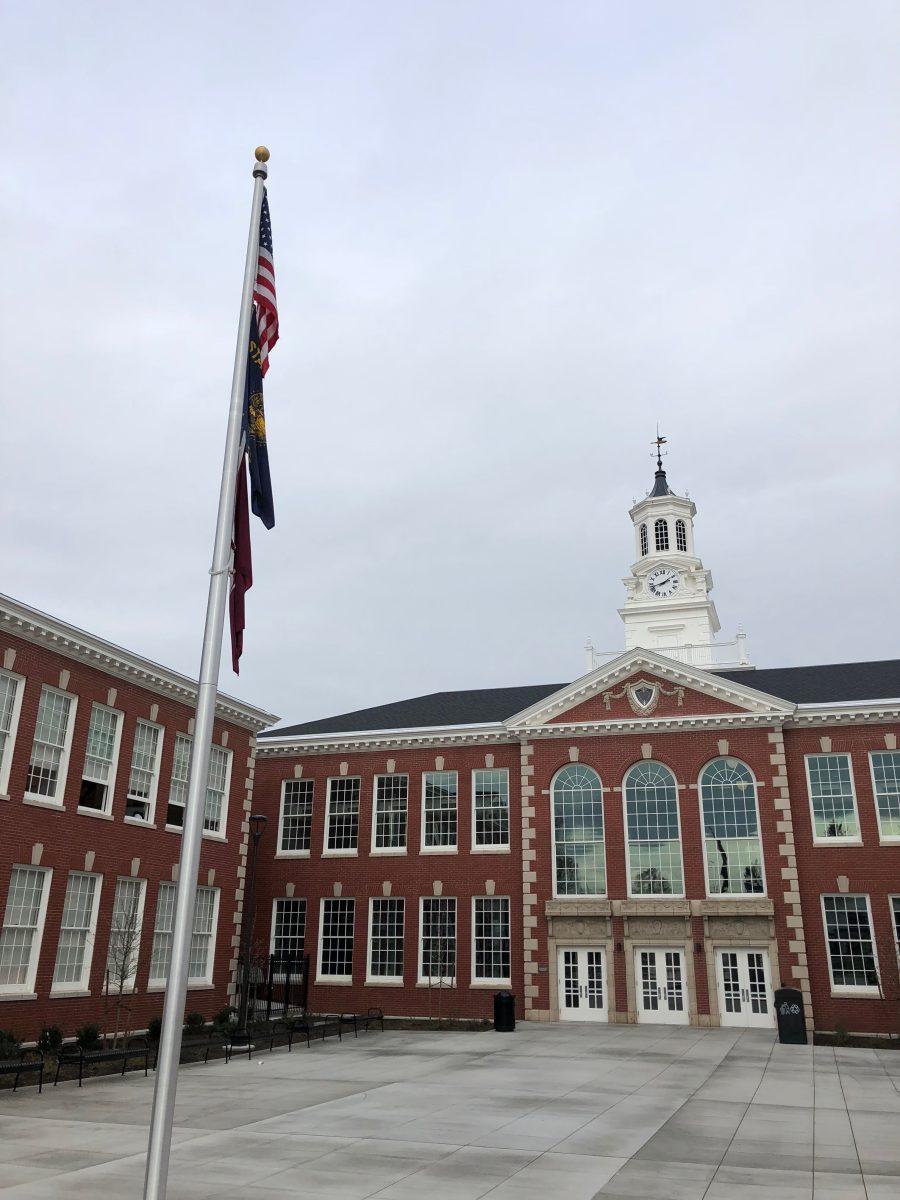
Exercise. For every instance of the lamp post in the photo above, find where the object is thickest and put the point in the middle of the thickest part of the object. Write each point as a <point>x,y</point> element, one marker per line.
<point>257,824</point>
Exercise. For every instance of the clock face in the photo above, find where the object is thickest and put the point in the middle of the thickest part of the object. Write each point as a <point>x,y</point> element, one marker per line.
<point>663,582</point>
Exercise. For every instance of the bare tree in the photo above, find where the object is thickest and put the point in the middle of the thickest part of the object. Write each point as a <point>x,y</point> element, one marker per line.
<point>124,948</point>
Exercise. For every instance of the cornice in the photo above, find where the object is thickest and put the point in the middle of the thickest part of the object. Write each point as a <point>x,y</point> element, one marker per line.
<point>383,739</point>
<point>868,712</point>
<point>22,621</point>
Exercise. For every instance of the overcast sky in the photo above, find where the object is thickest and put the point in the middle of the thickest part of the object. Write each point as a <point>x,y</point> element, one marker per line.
<point>509,239</point>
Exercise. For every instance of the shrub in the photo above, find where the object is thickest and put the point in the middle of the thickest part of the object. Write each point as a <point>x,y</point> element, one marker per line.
<point>840,1033</point>
<point>88,1037</point>
<point>154,1028</point>
<point>9,1044</point>
<point>194,1022</point>
<point>50,1040</point>
<point>226,1018</point>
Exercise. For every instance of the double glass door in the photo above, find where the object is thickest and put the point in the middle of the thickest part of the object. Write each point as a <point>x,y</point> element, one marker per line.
<point>744,988</point>
<point>660,986</point>
<point>582,984</point>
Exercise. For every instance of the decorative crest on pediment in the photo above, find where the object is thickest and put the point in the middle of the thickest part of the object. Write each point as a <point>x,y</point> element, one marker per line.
<point>643,695</point>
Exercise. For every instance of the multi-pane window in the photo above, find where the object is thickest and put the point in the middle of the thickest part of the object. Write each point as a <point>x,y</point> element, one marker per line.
<point>895,913</point>
<point>386,938</point>
<point>886,782</point>
<point>9,694</point>
<point>47,766</point>
<point>680,535</point>
<point>661,533</point>
<point>851,951</point>
<point>645,546</point>
<point>100,759</point>
<point>490,807</point>
<point>202,936</point>
<point>490,938</point>
<point>76,935</point>
<point>295,825</point>
<point>125,934</point>
<point>579,859</point>
<point>437,961</point>
<point>731,828</point>
<point>831,796</point>
<point>216,785</point>
<point>439,818</point>
<point>391,805</point>
<point>342,819</point>
<point>289,930</point>
<point>654,840</point>
<point>336,939</point>
<point>23,923</point>
<point>144,775</point>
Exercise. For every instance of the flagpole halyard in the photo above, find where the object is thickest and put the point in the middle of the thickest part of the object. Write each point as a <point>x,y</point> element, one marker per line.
<point>160,1137</point>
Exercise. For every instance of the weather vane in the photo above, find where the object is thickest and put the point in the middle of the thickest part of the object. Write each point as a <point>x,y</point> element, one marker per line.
<point>659,442</point>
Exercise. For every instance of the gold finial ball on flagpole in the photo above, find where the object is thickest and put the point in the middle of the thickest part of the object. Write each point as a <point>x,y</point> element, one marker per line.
<point>261,153</point>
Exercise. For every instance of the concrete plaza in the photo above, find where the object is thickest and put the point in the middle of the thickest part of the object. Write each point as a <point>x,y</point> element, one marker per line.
<point>566,1112</point>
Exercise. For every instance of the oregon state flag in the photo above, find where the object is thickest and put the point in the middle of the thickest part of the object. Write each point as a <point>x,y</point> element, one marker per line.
<point>261,500</point>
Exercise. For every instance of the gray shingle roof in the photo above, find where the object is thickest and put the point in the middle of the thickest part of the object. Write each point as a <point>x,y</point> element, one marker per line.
<point>831,683</point>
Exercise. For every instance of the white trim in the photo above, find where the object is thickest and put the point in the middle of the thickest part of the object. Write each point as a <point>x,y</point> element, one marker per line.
<point>338,979</point>
<point>209,978</point>
<point>154,786</point>
<point>388,980</point>
<point>106,811</point>
<point>557,895</point>
<point>884,840</point>
<point>19,991</point>
<point>895,921</point>
<point>476,981</point>
<point>10,747</point>
<point>387,850</point>
<point>279,852</point>
<point>276,900</point>
<point>448,848</point>
<point>844,989</point>
<point>650,895</point>
<point>32,625</point>
<point>855,839</point>
<point>78,986</point>
<point>130,983</point>
<point>488,848</point>
<point>62,776</point>
<point>710,895</point>
<point>347,851</point>
<point>445,982</point>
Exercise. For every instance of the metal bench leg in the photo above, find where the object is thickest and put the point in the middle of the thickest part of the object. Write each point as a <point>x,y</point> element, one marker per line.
<point>146,1063</point>
<point>124,1062</point>
<point>41,1079</point>
<point>16,1081</point>
<point>80,1070</point>
<point>56,1077</point>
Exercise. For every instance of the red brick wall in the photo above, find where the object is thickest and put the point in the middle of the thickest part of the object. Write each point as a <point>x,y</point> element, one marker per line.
<point>66,836</point>
<point>871,868</point>
<point>462,874</point>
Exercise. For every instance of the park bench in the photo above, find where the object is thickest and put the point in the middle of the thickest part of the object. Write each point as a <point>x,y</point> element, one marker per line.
<point>135,1047</point>
<point>292,1027</point>
<point>22,1065</point>
<point>353,1020</point>
<point>205,1040</point>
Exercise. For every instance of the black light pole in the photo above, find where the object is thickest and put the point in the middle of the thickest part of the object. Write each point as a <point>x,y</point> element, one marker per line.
<point>257,824</point>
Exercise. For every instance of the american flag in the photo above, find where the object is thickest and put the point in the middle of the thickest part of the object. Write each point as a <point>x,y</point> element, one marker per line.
<point>264,288</point>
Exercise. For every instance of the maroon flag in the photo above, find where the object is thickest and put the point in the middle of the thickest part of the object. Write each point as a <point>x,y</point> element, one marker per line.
<point>242,571</point>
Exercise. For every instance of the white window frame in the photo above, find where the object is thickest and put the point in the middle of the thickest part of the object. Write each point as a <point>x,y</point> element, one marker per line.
<point>492,981</point>
<point>65,755</point>
<point>490,848</point>
<point>6,757</point>
<point>448,849</point>
<point>710,895</point>
<point>294,900</point>
<point>446,980</point>
<point>844,989</point>
<point>575,896</point>
<point>26,990</point>
<point>856,839</point>
<point>158,984</point>
<point>385,980</point>
<point>216,835</point>
<point>106,810</point>
<point>341,980</point>
<point>894,899</point>
<point>80,985</point>
<point>279,852</point>
<point>208,979</point>
<point>652,895</point>
<point>885,839</point>
<point>148,822</point>
<point>131,981</point>
<point>344,852</point>
<point>387,850</point>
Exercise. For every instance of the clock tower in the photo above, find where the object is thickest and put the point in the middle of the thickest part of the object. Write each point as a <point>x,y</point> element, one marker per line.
<point>667,607</point>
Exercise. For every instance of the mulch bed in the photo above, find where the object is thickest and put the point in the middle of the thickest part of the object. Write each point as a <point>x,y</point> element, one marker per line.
<point>858,1041</point>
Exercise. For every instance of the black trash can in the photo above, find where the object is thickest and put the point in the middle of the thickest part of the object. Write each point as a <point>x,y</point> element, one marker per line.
<point>791,1017</point>
<point>505,1012</point>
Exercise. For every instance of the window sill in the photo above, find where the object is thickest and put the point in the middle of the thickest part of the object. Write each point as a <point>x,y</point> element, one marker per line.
<point>292,854</point>
<point>838,841</point>
<point>882,841</point>
<point>387,982</point>
<point>439,850</point>
<point>491,850</point>
<point>138,821</point>
<point>388,851</point>
<point>63,993</point>
<point>94,812</point>
<point>43,802</point>
<point>335,980</point>
<point>848,993</point>
<point>203,986</point>
<point>740,897</point>
<point>340,854</point>
<point>483,984</point>
<point>17,996</point>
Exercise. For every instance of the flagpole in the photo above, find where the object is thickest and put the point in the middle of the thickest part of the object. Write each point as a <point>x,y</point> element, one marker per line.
<point>160,1140</point>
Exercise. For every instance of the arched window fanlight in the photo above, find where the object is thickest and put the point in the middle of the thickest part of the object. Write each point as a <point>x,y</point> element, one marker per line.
<point>680,535</point>
<point>661,533</point>
<point>645,545</point>
<point>579,867</point>
<point>653,833</point>
<point>731,828</point>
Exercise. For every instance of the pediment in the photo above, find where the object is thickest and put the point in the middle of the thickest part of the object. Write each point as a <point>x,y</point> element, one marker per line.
<point>642,685</point>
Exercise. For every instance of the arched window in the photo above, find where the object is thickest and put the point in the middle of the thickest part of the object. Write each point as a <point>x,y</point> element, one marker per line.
<point>731,828</point>
<point>680,535</point>
<point>645,546</point>
<point>579,861</point>
<point>654,838</point>
<point>661,533</point>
